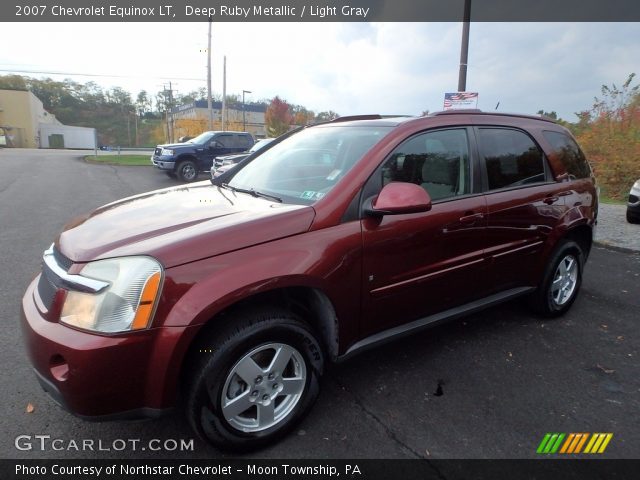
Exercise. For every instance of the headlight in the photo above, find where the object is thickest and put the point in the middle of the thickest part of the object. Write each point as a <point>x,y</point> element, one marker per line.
<point>127,304</point>
<point>166,151</point>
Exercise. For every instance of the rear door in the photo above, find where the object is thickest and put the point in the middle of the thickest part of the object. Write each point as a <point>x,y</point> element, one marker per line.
<point>418,264</point>
<point>524,203</point>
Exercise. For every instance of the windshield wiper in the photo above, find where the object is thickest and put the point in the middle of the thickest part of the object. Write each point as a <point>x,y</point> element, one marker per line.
<point>252,192</point>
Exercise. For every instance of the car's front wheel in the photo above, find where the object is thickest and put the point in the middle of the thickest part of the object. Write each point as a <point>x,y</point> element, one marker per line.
<point>561,281</point>
<point>631,218</point>
<point>256,380</point>
<point>187,171</point>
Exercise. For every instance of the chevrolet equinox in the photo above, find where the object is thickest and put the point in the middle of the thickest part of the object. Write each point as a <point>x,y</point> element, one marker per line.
<point>339,237</point>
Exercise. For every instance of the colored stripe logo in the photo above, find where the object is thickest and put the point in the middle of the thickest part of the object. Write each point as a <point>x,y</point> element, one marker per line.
<point>574,443</point>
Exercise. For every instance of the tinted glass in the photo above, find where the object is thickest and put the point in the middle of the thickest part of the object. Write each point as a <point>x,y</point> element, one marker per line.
<point>225,141</point>
<point>569,154</point>
<point>437,161</point>
<point>511,157</point>
<point>243,141</point>
<point>304,167</point>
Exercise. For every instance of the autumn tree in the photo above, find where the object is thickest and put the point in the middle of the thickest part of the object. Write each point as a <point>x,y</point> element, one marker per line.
<point>610,135</point>
<point>278,117</point>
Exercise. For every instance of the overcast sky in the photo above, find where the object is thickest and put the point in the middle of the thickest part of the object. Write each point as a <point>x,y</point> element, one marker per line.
<point>351,68</point>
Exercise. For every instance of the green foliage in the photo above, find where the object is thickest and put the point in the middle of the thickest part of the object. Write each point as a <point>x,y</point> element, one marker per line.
<point>610,136</point>
<point>114,159</point>
<point>326,116</point>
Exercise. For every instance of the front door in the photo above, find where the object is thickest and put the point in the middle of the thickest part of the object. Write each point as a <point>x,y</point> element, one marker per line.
<point>415,265</point>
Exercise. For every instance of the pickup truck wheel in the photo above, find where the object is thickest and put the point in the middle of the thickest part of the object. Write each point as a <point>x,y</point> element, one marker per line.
<point>561,281</point>
<point>187,171</point>
<point>254,382</point>
<point>632,218</point>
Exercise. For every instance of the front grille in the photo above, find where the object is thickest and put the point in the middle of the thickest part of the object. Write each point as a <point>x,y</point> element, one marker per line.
<point>62,260</point>
<point>46,289</point>
<point>633,199</point>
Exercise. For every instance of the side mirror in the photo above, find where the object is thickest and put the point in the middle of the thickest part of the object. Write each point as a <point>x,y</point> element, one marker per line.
<point>397,198</point>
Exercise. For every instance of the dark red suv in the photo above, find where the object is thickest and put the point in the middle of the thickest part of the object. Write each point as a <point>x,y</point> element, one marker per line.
<point>339,237</point>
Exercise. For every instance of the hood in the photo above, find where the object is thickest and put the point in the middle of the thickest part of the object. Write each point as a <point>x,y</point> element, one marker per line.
<point>181,224</point>
<point>174,146</point>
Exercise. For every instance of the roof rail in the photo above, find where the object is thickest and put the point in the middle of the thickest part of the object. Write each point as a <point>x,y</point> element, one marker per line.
<point>373,116</point>
<point>503,114</point>
<point>456,111</point>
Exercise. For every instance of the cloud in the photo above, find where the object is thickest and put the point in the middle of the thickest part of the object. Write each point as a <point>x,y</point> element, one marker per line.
<point>346,67</point>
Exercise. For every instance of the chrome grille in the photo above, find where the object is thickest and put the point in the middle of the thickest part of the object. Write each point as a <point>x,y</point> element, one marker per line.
<point>61,260</point>
<point>46,288</point>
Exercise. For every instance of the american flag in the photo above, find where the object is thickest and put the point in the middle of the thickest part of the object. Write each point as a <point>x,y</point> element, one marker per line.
<point>462,99</point>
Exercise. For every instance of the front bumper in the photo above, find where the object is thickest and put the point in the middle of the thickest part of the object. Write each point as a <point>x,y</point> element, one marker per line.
<point>163,162</point>
<point>92,375</point>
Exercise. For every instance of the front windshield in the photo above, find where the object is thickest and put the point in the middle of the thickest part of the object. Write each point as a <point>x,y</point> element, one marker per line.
<point>261,143</point>
<point>306,166</point>
<point>202,138</point>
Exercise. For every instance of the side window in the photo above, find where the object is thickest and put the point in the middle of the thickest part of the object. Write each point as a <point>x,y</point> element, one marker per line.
<point>243,141</point>
<point>437,161</point>
<point>511,158</point>
<point>225,141</point>
<point>569,154</point>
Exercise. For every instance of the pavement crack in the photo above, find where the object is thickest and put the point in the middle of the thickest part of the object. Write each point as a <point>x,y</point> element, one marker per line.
<point>388,431</point>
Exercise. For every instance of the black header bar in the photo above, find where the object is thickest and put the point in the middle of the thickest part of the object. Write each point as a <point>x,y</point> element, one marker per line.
<point>319,11</point>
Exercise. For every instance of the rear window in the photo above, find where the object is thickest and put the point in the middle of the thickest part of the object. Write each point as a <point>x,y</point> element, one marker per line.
<point>512,159</point>
<point>244,141</point>
<point>569,154</point>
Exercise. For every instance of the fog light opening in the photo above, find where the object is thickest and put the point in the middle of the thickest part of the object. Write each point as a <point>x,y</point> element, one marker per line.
<point>59,368</point>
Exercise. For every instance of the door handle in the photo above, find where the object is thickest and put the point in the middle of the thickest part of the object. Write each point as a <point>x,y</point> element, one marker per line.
<point>550,200</point>
<point>471,217</point>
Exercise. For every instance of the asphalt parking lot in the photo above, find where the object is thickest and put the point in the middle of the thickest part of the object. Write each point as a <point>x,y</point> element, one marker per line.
<point>487,386</point>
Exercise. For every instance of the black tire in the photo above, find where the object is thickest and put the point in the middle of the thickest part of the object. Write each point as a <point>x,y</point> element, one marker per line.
<point>559,289</point>
<point>187,171</point>
<point>170,174</point>
<point>253,339</point>
<point>632,218</point>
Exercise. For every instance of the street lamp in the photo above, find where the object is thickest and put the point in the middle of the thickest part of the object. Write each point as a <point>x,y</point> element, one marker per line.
<point>244,119</point>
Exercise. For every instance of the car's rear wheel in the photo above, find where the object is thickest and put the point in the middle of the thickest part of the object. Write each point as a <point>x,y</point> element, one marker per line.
<point>255,380</point>
<point>561,281</point>
<point>187,171</point>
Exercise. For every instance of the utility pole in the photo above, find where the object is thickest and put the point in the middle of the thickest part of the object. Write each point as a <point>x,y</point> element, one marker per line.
<point>209,100</point>
<point>244,118</point>
<point>464,48</point>
<point>169,114</point>
<point>171,131</point>
<point>224,93</point>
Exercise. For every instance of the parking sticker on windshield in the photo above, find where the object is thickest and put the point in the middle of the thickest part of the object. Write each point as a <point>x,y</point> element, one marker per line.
<point>311,195</point>
<point>334,174</point>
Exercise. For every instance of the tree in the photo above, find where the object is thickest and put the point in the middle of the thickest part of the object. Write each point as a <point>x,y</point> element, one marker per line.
<point>610,135</point>
<point>326,116</point>
<point>143,103</point>
<point>12,82</point>
<point>278,117</point>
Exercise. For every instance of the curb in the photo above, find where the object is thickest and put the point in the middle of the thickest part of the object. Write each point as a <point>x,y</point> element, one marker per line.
<point>616,248</point>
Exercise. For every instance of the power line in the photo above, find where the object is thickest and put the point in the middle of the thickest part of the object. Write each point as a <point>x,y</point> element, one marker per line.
<point>99,75</point>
